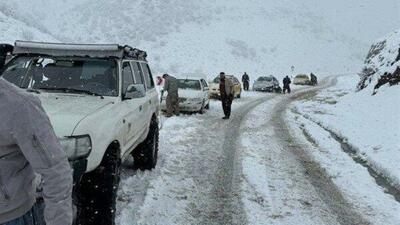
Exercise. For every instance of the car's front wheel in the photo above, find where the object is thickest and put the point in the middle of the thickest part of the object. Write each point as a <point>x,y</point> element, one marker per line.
<point>96,192</point>
<point>146,154</point>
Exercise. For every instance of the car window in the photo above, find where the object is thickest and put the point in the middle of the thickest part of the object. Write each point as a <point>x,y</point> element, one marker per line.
<point>127,78</point>
<point>204,83</point>
<point>99,76</point>
<point>147,76</point>
<point>137,73</point>
<point>189,84</point>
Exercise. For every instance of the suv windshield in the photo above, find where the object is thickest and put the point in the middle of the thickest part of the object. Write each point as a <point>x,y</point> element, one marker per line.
<point>189,84</point>
<point>97,76</point>
<point>264,79</point>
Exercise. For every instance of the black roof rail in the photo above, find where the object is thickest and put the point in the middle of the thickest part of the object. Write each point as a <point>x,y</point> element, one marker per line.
<point>79,50</point>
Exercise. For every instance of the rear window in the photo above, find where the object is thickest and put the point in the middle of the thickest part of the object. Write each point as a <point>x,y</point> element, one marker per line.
<point>302,76</point>
<point>189,84</point>
<point>264,79</point>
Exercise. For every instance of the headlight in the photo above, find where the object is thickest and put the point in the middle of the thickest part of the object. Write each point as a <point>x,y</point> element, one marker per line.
<point>76,147</point>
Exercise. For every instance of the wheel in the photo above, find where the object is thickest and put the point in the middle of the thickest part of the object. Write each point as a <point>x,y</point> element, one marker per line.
<point>146,154</point>
<point>207,106</point>
<point>202,109</point>
<point>238,96</point>
<point>96,193</point>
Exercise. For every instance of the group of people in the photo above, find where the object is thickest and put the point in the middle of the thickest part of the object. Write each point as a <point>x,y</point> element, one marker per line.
<point>226,88</point>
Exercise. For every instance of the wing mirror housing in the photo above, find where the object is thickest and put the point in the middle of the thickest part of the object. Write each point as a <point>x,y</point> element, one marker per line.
<point>135,91</point>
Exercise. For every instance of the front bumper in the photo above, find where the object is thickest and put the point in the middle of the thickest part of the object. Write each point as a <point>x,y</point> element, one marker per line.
<point>266,89</point>
<point>79,167</point>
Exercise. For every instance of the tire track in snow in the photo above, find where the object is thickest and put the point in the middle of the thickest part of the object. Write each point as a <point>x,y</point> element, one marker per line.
<point>327,190</point>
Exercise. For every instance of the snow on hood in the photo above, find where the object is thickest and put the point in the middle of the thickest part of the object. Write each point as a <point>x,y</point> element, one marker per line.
<point>66,111</point>
<point>382,64</point>
<point>190,93</point>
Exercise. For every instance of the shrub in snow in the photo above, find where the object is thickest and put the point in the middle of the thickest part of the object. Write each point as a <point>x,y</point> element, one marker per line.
<point>382,65</point>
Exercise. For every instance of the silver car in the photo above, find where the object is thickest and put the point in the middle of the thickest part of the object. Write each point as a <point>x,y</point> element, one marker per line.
<point>267,84</point>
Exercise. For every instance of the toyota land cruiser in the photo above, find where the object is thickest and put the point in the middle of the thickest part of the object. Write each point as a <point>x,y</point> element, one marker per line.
<point>103,105</point>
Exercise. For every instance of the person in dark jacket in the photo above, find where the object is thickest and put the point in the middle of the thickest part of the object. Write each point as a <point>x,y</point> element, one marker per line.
<point>28,145</point>
<point>246,81</point>
<point>286,84</point>
<point>226,92</point>
<point>172,101</point>
<point>314,80</point>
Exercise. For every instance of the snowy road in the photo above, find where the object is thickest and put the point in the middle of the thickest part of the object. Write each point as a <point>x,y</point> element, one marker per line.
<point>249,170</point>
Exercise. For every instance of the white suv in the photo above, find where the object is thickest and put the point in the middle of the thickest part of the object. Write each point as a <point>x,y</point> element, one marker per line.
<point>103,105</point>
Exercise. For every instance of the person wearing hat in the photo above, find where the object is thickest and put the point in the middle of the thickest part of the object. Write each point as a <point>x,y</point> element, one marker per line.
<point>172,101</point>
<point>226,92</point>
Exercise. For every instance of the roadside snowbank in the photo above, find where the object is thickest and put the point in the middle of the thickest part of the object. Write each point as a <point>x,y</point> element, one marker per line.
<point>370,124</point>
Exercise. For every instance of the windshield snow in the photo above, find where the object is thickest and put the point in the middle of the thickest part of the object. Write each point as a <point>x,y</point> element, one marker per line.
<point>88,75</point>
<point>264,79</point>
<point>189,84</point>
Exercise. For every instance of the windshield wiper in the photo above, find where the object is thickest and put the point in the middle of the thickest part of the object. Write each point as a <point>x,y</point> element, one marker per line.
<point>71,90</point>
<point>33,90</point>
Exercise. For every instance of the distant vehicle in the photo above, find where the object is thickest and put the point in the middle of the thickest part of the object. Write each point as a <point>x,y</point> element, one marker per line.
<point>193,95</point>
<point>301,79</point>
<point>267,84</point>
<point>214,87</point>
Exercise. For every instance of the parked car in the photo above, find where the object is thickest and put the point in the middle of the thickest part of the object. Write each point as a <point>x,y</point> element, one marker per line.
<point>214,87</point>
<point>301,79</point>
<point>267,84</point>
<point>103,105</point>
<point>193,95</point>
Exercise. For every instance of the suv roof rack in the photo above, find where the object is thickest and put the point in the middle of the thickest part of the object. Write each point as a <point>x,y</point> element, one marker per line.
<point>79,50</point>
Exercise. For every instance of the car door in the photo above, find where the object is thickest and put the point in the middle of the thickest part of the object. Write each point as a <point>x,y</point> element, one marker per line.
<point>205,90</point>
<point>145,103</point>
<point>152,102</point>
<point>133,108</point>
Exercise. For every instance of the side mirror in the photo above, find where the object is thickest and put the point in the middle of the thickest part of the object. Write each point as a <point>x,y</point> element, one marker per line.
<point>135,91</point>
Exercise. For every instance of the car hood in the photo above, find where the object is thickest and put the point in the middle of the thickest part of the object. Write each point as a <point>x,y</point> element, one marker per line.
<point>188,93</point>
<point>264,83</point>
<point>66,111</point>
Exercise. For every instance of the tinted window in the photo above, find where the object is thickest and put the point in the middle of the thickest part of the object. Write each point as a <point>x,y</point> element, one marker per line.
<point>189,84</point>
<point>264,79</point>
<point>61,74</point>
<point>147,76</point>
<point>204,83</point>
<point>126,76</point>
<point>137,73</point>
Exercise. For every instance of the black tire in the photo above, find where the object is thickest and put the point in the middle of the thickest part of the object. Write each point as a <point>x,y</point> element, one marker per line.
<point>238,96</point>
<point>207,106</point>
<point>146,154</point>
<point>96,192</point>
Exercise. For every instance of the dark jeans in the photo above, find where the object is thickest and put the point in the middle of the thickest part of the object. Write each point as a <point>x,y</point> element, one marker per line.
<point>32,217</point>
<point>286,88</point>
<point>246,85</point>
<point>226,105</point>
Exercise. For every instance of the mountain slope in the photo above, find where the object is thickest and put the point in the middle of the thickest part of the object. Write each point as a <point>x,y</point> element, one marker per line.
<point>260,37</point>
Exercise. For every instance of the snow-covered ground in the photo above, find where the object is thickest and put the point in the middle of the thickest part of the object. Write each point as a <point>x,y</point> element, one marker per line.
<point>355,137</point>
<point>262,167</point>
<point>369,124</point>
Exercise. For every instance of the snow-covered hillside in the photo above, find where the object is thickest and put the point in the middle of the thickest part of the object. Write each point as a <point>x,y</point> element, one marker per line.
<point>382,66</point>
<point>260,37</point>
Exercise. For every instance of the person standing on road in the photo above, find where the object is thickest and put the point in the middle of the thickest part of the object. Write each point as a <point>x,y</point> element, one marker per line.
<point>28,145</point>
<point>172,102</point>
<point>226,92</point>
<point>246,81</point>
<point>286,84</point>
